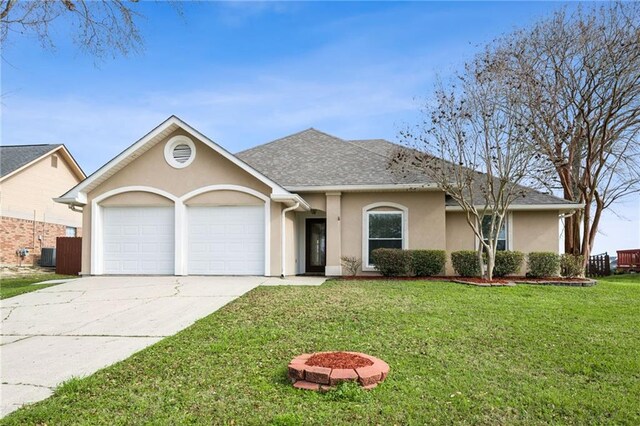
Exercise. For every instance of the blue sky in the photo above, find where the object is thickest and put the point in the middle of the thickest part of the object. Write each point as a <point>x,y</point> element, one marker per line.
<point>247,73</point>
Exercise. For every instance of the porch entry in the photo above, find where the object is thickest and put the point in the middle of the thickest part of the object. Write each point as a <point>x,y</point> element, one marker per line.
<point>315,245</point>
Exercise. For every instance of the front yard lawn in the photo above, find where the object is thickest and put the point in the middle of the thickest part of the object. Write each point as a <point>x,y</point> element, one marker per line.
<point>458,355</point>
<point>14,286</point>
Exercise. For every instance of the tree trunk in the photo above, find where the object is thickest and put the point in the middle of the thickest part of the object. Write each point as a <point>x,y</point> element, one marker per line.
<point>481,261</point>
<point>490,264</point>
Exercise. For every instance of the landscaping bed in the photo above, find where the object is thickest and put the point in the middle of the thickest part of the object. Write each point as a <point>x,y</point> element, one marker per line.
<point>322,371</point>
<point>458,355</point>
<point>496,282</point>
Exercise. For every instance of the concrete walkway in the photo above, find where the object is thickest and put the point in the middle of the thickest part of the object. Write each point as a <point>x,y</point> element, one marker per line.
<point>74,329</point>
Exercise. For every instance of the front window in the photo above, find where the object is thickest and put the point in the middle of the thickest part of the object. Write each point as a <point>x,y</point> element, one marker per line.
<point>385,230</point>
<point>501,237</point>
<point>71,231</point>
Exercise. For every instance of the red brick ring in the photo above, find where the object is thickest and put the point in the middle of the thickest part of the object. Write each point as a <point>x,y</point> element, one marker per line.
<point>319,372</point>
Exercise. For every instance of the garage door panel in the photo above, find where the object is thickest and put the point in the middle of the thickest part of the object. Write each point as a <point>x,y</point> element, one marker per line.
<point>138,240</point>
<point>226,240</point>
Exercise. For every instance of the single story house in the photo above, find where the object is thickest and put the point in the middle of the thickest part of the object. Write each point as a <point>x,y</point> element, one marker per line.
<point>31,176</point>
<point>176,202</point>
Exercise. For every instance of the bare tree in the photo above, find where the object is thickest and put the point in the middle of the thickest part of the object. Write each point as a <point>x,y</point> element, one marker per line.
<point>103,27</point>
<point>473,148</point>
<point>579,78</point>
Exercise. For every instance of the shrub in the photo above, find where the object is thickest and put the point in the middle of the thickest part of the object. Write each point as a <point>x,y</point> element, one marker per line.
<point>572,265</point>
<point>426,263</point>
<point>465,263</point>
<point>352,264</point>
<point>390,262</point>
<point>507,263</point>
<point>543,264</point>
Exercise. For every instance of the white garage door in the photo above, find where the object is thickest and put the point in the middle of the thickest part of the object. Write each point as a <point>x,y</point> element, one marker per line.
<point>138,240</point>
<point>226,240</point>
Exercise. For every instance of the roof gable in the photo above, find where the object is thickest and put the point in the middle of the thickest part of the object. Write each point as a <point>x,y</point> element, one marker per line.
<point>77,195</point>
<point>14,158</point>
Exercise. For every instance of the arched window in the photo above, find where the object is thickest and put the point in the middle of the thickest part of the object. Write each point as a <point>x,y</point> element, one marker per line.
<point>383,229</point>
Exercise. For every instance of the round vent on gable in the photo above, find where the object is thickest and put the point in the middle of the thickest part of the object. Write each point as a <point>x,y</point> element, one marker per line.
<point>179,152</point>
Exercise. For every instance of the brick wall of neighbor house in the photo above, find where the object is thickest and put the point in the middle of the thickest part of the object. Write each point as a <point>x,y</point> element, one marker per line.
<point>22,233</point>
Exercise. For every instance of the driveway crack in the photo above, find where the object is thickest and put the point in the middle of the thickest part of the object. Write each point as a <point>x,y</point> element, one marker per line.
<point>11,309</point>
<point>177,287</point>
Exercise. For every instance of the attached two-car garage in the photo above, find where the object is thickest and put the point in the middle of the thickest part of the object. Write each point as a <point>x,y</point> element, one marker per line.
<point>219,240</point>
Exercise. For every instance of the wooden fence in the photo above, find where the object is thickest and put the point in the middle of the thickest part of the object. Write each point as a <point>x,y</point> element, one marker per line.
<point>68,255</point>
<point>599,265</point>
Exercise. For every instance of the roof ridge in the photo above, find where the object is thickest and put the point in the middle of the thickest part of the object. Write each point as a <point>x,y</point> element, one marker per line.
<point>286,137</point>
<point>352,142</point>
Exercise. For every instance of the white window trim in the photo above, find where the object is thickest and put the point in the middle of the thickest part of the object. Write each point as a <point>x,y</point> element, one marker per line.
<point>170,146</point>
<point>180,221</point>
<point>508,222</point>
<point>366,211</point>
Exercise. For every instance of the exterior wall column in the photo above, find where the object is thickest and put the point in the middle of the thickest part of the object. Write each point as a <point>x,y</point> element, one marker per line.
<point>334,235</point>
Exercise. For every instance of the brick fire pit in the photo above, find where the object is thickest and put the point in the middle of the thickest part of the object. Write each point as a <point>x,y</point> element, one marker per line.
<point>322,370</point>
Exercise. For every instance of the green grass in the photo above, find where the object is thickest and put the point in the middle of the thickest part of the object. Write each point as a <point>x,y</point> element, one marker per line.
<point>458,355</point>
<point>14,286</point>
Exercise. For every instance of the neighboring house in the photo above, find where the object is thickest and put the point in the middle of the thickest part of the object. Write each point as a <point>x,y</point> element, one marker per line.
<point>177,203</point>
<point>31,176</point>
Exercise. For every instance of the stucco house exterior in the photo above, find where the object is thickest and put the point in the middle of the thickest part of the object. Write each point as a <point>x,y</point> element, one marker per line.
<point>31,176</point>
<point>175,202</point>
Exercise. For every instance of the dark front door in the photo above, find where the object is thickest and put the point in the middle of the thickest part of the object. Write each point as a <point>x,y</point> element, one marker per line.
<point>316,245</point>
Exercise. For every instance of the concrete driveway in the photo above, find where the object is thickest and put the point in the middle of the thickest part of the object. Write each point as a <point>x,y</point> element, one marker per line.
<point>79,327</point>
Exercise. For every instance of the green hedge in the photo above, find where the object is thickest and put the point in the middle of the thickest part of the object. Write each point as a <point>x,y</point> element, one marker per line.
<point>507,263</point>
<point>543,264</point>
<point>466,263</point>
<point>391,262</point>
<point>572,265</point>
<point>426,263</point>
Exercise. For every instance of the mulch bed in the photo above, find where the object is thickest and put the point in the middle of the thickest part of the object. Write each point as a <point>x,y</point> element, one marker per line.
<point>338,360</point>
<point>322,371</point>
<point>498,282</point>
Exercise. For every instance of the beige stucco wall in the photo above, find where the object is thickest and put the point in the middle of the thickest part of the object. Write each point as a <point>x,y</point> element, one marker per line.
<point>317,201</point>
<point>536,231</point>
<point>224,198</point>
<point>426,218</point>
<point>208,168</point>
<point>136,198</point>
<point>530,231</point>
<point>29,193</point>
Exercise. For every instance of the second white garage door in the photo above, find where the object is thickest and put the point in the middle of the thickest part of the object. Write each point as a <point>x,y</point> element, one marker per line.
<point>226,240</point>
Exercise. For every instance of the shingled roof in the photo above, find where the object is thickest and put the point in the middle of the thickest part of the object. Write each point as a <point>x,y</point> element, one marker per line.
<point>312,158</point>
<point>315,158</point>
<point>12,157</point>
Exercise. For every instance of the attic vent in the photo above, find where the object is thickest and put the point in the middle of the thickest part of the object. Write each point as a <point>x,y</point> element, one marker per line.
<point>179,152</point>
<point>182,153</point>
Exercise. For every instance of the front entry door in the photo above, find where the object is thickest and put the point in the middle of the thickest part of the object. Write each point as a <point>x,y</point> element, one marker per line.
<point>316,245</point>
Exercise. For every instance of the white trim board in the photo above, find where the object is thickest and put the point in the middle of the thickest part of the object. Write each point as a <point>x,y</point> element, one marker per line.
<point>364,188</point>
<point>525,207</point>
